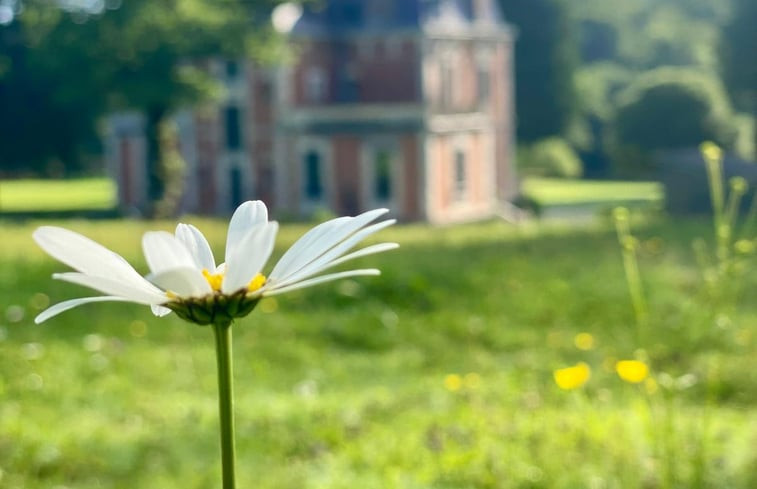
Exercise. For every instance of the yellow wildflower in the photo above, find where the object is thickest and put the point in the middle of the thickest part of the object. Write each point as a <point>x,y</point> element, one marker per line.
<point>453,382</point>
<point>711,151</point>
<point>584,341</point>
<point>570,378</point>
<point>632,371</point>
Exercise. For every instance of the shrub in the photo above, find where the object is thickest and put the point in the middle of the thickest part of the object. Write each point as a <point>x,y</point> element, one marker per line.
<point>551,157</point>
<point>672,108</point>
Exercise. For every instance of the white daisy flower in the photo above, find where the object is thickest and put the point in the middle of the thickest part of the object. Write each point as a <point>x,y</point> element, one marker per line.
<point>184,277</point>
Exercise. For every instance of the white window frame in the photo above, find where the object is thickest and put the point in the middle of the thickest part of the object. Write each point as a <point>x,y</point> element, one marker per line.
<point>322,147</point>
<point>368,152</point>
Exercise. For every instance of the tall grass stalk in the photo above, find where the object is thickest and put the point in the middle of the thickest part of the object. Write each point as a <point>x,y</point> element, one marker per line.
<point>751,216</point>
<point>628,245</point>
<point>713,157</point>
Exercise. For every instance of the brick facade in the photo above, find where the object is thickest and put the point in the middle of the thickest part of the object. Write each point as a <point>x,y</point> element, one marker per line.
<point>410,107</point>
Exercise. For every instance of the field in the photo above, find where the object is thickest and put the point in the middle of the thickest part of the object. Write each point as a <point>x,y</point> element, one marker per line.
<point>438,374</point>
<point>99,194</point>
<point>556,191</point>
<point>57,195</point>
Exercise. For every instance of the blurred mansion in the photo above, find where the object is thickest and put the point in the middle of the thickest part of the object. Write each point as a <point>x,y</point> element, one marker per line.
<point>405,104</point>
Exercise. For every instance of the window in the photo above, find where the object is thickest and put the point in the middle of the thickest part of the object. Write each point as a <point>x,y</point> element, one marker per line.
<point>233,132</point>
<point>315,84</point>
<point>312,173</point>
<point>382,176</point>
<point>484,85</point>
<point>460,175</point>
<point>348,90</point>
<point>447,88</point>
<point>232,69</point>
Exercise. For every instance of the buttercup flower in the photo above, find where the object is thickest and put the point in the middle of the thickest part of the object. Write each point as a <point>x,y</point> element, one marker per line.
<point>632,371</point>
<point>184,277</point>
<point>570,378</point>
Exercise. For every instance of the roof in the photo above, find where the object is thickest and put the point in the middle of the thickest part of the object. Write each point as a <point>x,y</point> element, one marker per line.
<point>341,17</point>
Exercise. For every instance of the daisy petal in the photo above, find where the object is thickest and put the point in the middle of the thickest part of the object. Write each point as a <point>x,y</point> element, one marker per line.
<point>249,256</point>
<point>163,251</point>
<point>319,240</point>
<point>83,254</point>
<point>319,280</point>
<point>299,253</point>
<point>149,294</point>
<point>184,282</point>
<point>247,216</point>
<point>324,260</point>
<point>197,245</point>
<point>64,306</point>
<point>160,311</point>
<point>368,250</point>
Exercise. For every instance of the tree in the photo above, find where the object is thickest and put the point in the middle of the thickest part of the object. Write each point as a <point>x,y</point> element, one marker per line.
<point>143,54</point>
<point>674,107</point>
<point>545,58</point>
<point>41,126</point>
<point>739,49</point>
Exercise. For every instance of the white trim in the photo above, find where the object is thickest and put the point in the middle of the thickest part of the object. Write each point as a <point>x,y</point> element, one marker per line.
<point>354,113</point>
<point>428,182</point>
<point>368,150</point>
<point>488,143</point>
<point>470,122</point>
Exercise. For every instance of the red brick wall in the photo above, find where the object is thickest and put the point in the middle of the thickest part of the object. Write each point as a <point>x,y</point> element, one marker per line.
<point>261,134</point>
<point>207,158</point>
<point>314,54</point>
<point>383,73</point>
<point>346,151</point>
<point>391,74</point>
<point>410,204</point>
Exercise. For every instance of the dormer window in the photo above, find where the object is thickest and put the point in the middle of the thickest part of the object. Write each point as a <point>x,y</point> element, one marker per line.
<point>315,84</point>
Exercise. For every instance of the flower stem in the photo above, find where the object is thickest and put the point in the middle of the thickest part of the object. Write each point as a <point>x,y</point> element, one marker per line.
<point>222,332</point>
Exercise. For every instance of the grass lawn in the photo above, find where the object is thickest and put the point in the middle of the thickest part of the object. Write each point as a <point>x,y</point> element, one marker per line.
<point>436,375</point>
<point>57,195</point>
<point>100,193</point>
<point>557,191</point>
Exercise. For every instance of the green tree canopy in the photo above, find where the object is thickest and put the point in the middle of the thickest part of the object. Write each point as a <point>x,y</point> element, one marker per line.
<point>739,49</point>
<point>71,65</point>
<point>545,58</point>
<point>670,108</point>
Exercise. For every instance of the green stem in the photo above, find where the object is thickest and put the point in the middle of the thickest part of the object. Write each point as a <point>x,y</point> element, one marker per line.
<point>222,332</point>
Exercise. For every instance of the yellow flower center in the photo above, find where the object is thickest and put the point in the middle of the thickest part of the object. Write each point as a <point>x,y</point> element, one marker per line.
<point>214,279</point>
<point>257,282</point>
